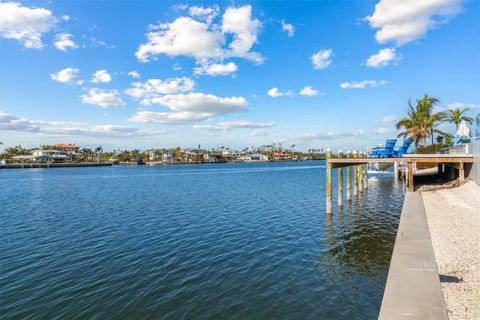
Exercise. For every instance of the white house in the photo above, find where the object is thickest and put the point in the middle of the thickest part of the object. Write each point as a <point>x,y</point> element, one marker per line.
<point>256,157</point>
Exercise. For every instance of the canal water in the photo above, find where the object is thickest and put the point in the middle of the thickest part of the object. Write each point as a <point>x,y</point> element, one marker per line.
<point>222,241</point>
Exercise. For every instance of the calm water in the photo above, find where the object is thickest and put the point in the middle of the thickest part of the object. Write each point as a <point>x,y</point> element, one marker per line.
<point>228,241</point>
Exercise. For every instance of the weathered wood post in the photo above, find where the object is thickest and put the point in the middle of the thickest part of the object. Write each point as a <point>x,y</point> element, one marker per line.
<point>461,173</point>
<point>355,181</point>
<point>349,186</point>
<point>365,178</point>
<point>360,178</point>
<point>340,186</point>
<point>410,177</point>
<point>328,178</point>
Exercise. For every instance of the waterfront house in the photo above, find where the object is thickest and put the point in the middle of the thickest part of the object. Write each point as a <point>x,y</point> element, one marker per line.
<point>70,149</point>
<point>281,155</point>
<point>195,155</point>
<point>168,157</point>
<point>255,157</point>
<point>213,158</point>
<point>42,156</point>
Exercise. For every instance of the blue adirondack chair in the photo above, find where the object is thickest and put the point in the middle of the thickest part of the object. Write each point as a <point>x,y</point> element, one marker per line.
<point>403,149</point>
<point>386,152</point>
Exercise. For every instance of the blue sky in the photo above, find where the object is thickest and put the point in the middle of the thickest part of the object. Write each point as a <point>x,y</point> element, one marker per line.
<point>148,74</point>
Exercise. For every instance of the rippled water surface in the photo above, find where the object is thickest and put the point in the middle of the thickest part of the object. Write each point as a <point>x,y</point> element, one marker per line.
<point>225,241</point>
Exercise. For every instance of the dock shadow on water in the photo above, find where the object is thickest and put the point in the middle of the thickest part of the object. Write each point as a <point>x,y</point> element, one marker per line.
<point>228,241</point>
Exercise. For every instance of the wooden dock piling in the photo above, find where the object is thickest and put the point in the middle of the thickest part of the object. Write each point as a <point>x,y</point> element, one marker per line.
<point>461,173</point>
<point>340,187</point>
<point>365,180</point>
<point>328,191</point>
<point>360,178</point>
<point>410,177</point>
<point>355,181</point>
<point>349,187</point>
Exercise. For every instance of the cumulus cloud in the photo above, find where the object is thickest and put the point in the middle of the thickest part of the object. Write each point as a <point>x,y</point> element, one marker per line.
<point>322,59</point>
<point>309,91</point>
<point>383,58</point>
<point>153,88</point>
<point>190,107</point>
<point>25,24</point>
<point>216,69</point>
<point>259,133</point>
<point>403,21</point>
<point>236,124</point>
<point>359,134</point>
<point>134,74</point>
<point>288,28</point>
<point>463,105</point>
<point>388,119</point>
<point>63,41</point>
<point>363,84</point>
<point>60,128</point>
<point>104,99</point>
<point>275,93</point>
<point>101,76</point>
<point>66,75</point>
<point>198,37</point>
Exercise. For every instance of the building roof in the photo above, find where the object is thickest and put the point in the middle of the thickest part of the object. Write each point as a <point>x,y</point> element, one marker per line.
<point>66,145</point>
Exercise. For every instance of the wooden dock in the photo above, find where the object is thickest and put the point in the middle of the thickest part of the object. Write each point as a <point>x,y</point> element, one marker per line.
<point>454,163</point>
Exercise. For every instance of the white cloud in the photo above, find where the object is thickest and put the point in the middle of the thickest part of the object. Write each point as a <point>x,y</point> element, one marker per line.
<point>134,74</point>
<point>383,58</point>
<point>322,59</point>
<point>363,84</point>
<point>62,128</point>
<point>216,69</point>
<point>462,105</point>
<point>25,24</point>
<point>309,91</point>
<point>239,22</point>
<point>388,119</point>
<point>64,41</point>
<point>206,14</point>
<point>359,134</point>
<point>288,28</point>
<point>101,76</point>
<point>275,93</point>
<point>104,99</point>
<point>190,107</point>
<point>156,87</point>
<point>235,124</point>
<point>182,37</point>
<point>259,133</point>
<point>203,40</point>
<point>403,21</point>
<point>66,75</point>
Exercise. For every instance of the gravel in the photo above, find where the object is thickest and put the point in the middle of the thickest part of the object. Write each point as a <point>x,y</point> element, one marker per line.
<point>454,222</point>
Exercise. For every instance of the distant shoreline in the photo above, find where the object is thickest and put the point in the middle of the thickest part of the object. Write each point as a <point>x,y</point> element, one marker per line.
<point>109,164</point>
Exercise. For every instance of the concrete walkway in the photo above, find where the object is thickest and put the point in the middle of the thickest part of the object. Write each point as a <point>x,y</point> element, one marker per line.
<point>413,285</point>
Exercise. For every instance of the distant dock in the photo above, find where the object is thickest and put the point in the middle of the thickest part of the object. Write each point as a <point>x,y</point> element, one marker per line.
<point>54,165</point>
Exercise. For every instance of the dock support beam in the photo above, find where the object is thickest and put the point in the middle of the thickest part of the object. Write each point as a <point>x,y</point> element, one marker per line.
<point>410,177</point>
<point>461,173</point>
<point>340,187</point>
<point>349,185</point>
<point>328,190</point>
<point>355,181</point>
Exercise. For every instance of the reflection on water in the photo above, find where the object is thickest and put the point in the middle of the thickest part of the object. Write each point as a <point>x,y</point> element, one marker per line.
<point>212,241</point>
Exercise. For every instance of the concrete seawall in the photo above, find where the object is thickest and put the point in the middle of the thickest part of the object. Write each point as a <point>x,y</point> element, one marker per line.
<point>54,165</point>
<point>413,286</point>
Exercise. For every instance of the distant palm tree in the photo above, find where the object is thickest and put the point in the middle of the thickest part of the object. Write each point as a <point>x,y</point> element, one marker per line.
<point>421,121</point>
<point>98,151</point>
<point>457,115</point>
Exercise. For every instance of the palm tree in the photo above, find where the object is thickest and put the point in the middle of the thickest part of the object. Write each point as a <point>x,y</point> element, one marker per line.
<point>457,115</point>
<point>421,121</point>
<point>98,151</point>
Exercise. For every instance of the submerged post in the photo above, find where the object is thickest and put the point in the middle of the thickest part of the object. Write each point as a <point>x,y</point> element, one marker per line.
<point>340,187</point>
<point>355,179</point>
<point>410,177</point>
<point>328,190</point>
<point>349,187</point>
